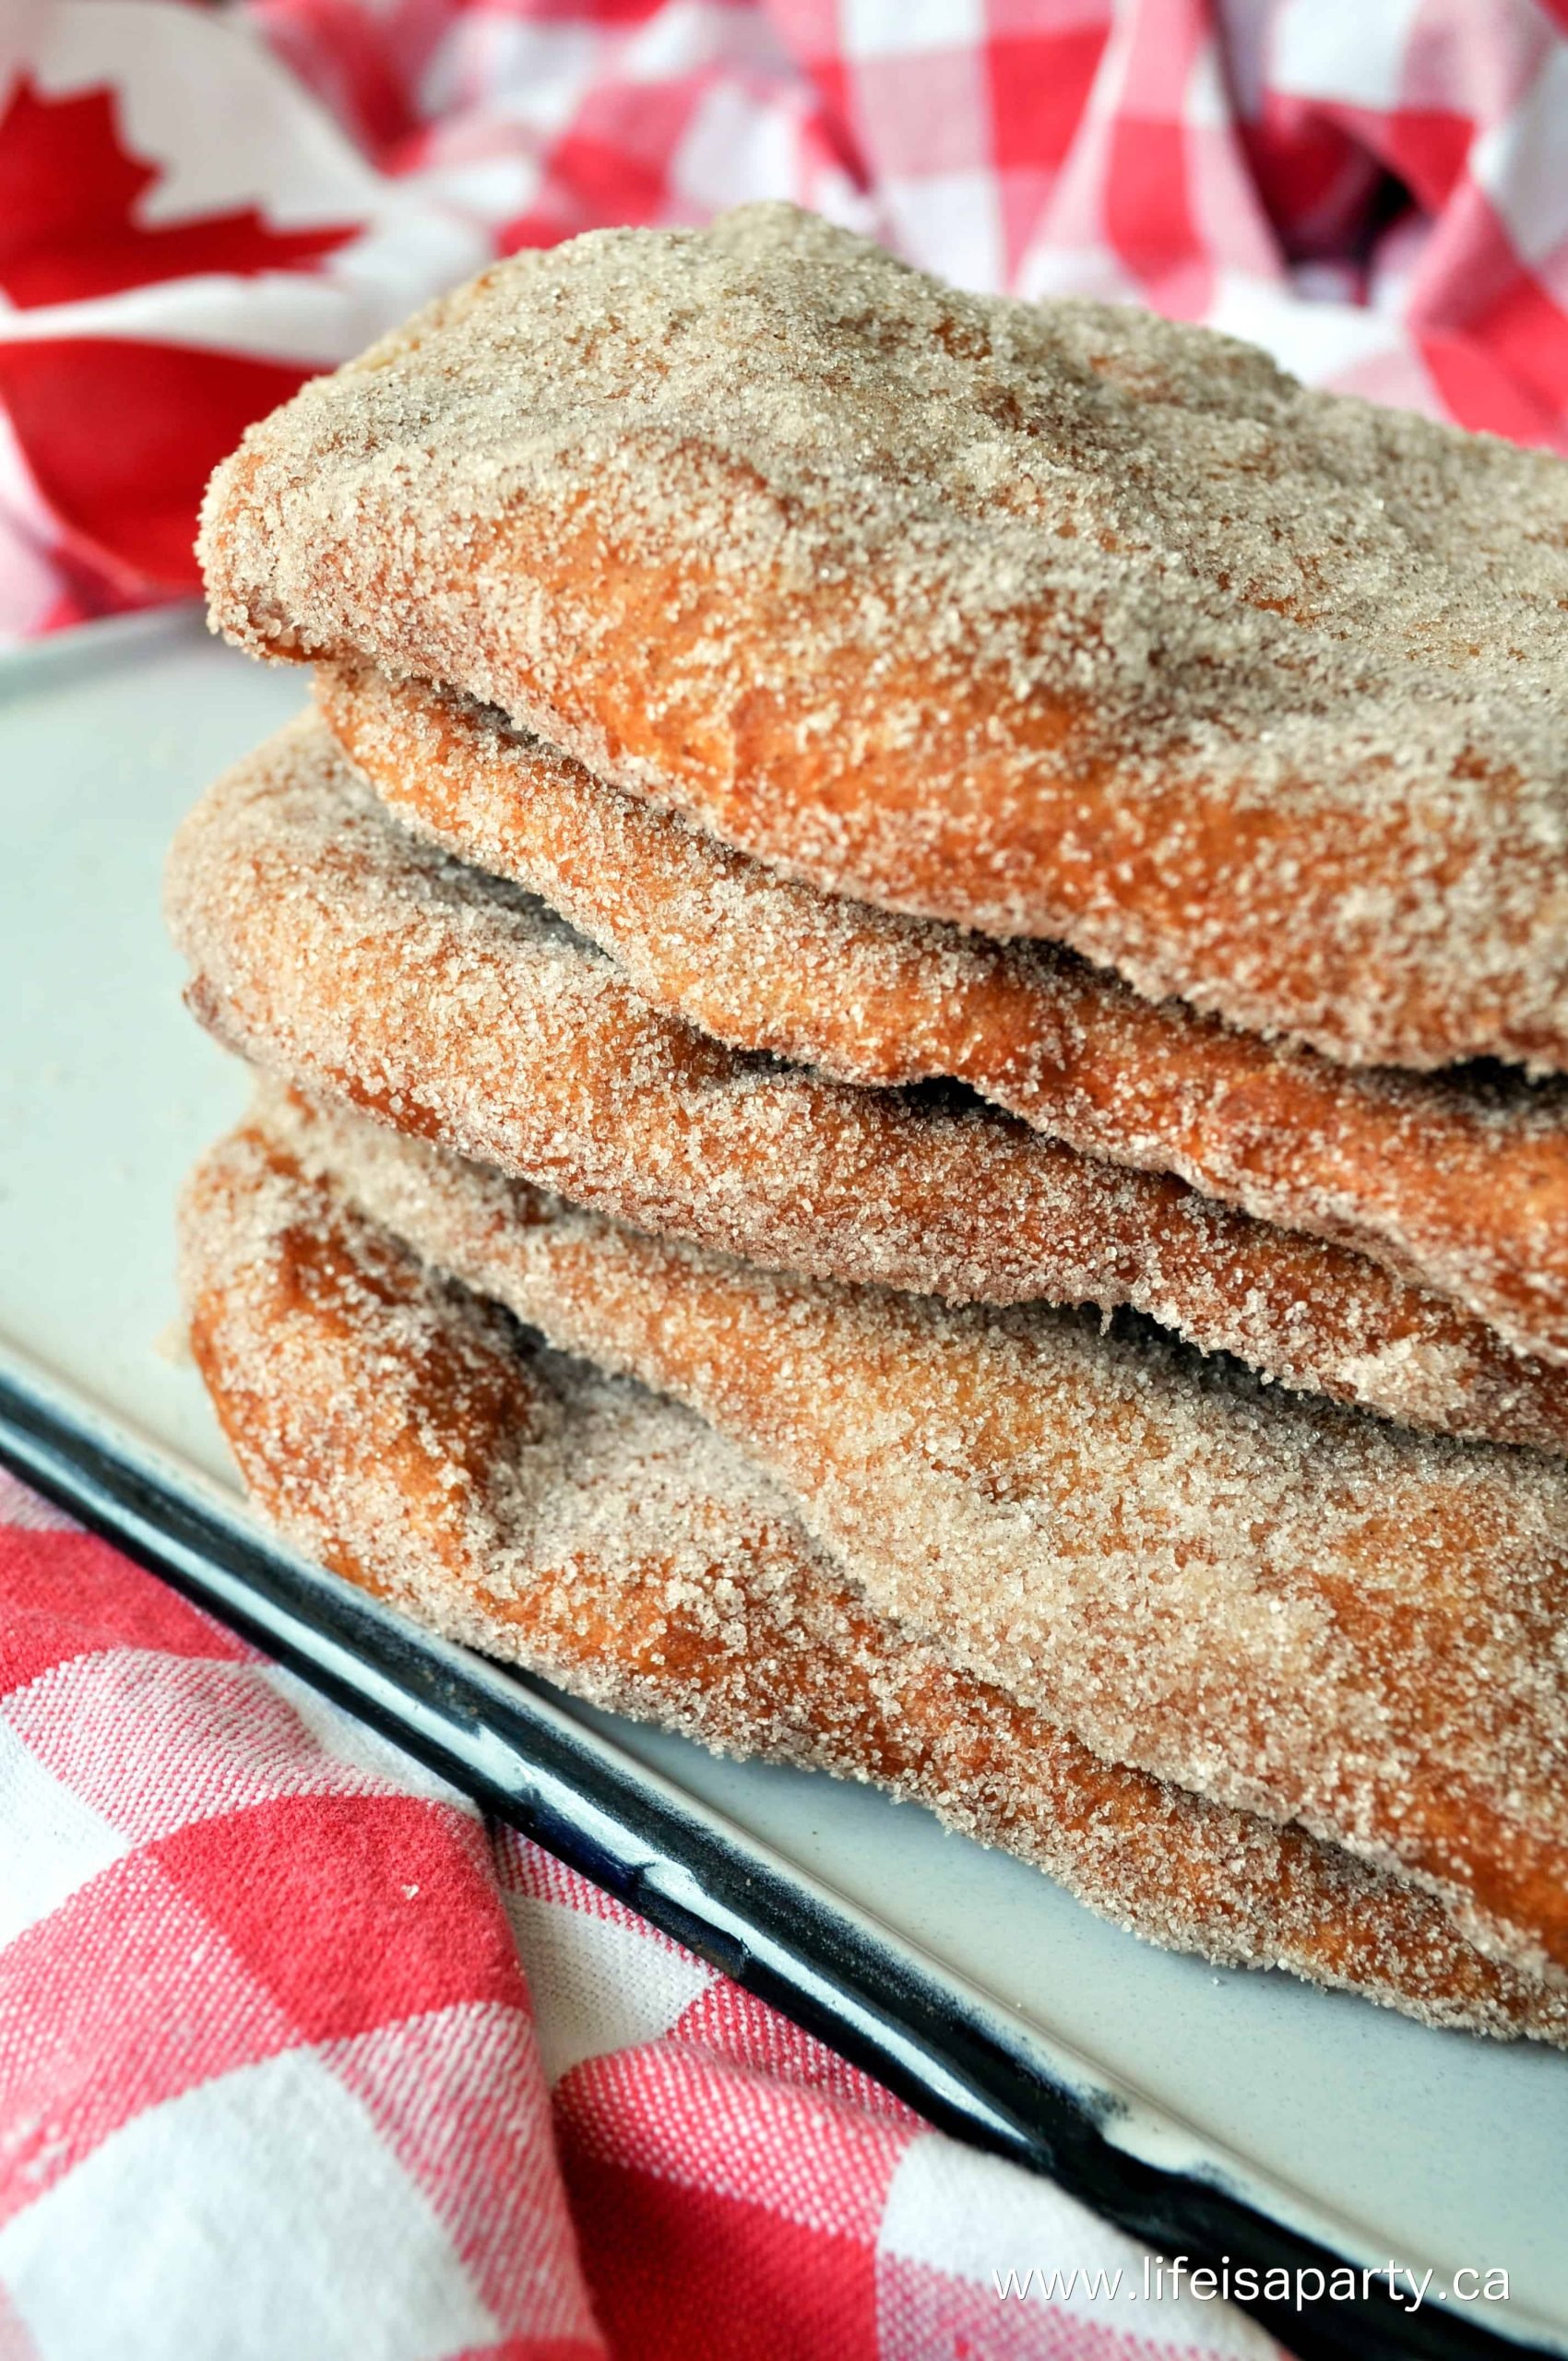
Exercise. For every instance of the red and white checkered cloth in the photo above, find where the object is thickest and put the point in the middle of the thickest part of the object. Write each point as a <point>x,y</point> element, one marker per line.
<point>199,208</point>
<point>299,2057</point>
<point>296,2056</point>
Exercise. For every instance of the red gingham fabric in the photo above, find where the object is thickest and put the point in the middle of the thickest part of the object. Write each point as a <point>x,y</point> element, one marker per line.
<point>198,206</point>
<point>300,2057</point>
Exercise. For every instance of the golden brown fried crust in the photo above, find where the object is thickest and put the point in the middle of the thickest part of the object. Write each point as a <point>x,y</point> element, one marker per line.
<point>330,947</point>
<point>393,1426</point>
<point>1287,1607</point>
<point>1464,1189</point>
<point>1051,620</point>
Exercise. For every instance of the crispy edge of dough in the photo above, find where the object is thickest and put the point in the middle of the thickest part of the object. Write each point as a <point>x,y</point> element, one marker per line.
<point>991,784</point>
<point>1327,1620</point>
<point>1415,1175</point>
<point>331,947</point>
<point>375,1410</point>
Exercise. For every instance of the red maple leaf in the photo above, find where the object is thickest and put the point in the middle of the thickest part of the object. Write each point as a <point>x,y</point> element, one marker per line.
<point>69,191</point>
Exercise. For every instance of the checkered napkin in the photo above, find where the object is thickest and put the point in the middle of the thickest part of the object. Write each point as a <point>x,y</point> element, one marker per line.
<point>199,206</point>
<point>298,2057</point>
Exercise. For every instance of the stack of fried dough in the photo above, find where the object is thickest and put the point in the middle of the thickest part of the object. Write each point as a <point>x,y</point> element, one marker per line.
<point>907,986</point>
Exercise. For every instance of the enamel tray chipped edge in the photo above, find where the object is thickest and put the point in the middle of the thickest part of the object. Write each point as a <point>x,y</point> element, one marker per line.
<point>105,1096</point>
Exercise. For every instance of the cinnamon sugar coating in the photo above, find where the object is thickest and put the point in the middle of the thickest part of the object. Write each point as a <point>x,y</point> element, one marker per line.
<point>1285,1607</point>
<point>1052,620</point>
<point>1463,1184</point>
<point>333,948</point>
<point>399,1430</point>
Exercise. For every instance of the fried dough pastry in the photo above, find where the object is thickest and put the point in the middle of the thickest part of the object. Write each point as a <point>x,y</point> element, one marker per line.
<point>404,1433</point>
<point>331,948</point>
<point>1053,620</point>
<point>1284,1606</point>
<point>1461,1184</point>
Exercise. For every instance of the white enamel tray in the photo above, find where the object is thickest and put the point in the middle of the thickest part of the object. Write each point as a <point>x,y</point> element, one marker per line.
<point>1211,2112</point>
